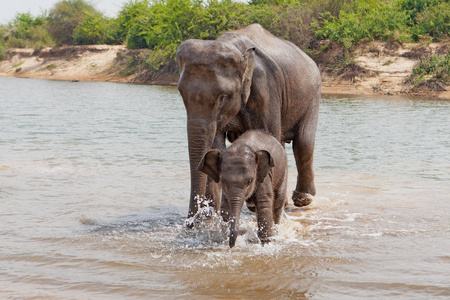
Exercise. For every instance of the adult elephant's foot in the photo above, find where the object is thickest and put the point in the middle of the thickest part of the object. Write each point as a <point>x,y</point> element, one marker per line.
<point>301,199</point>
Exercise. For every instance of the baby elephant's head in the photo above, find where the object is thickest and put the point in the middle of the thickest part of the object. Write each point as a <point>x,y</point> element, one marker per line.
<point>239,170</point>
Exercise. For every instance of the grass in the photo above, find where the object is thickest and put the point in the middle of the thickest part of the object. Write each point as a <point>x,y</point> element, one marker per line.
<point>51,67</point>
<point>18,64</point>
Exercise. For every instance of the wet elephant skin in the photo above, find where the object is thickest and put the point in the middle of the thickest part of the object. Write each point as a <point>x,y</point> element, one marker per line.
<point>243,80</point>
<point>253,170</point>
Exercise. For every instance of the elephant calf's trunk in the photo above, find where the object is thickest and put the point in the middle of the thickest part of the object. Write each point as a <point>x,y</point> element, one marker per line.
<point>234,230</point>
<point>235,213</point>
<point>233,234</point>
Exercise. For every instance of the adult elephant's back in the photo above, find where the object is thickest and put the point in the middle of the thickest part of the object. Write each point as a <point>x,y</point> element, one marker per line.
<point>301,78</point>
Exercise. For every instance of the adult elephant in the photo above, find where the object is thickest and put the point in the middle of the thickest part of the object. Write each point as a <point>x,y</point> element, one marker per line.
<point>248,79</point>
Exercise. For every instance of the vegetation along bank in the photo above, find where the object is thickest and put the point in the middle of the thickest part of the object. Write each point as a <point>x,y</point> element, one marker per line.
<point>372,46</point>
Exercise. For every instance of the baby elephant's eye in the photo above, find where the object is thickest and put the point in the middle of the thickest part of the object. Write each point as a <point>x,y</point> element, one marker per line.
<point>249,182</point>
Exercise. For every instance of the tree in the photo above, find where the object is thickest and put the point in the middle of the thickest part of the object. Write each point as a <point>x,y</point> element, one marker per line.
<point>65,17</point>
<point>93,29</point>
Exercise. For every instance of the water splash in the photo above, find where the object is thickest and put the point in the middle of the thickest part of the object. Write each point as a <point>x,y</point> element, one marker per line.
<point>206,226</point>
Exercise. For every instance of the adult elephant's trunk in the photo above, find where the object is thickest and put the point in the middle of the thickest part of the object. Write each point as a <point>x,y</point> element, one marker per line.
<point>201,135</point>
<point>235,214</point>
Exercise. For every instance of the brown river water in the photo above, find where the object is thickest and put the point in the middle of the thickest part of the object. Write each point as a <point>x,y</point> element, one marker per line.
<point>94,186</point>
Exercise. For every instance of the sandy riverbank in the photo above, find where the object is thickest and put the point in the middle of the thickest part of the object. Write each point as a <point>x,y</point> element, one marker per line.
<point>77,63</point>
<point>380,68</point>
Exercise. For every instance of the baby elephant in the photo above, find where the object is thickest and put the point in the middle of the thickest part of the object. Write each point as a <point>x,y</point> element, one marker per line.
<point>253,168</point>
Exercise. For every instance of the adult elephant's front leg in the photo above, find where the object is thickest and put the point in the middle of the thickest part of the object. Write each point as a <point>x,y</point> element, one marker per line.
<point>303,147</point>
<point>213,190</point>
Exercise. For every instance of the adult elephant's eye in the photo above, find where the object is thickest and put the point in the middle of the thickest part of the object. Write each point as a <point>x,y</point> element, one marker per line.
<point>223,98</point>
<point>249,182</point>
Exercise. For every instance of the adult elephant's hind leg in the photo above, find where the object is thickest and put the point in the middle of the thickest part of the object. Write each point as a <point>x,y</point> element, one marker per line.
<point>303,147</point>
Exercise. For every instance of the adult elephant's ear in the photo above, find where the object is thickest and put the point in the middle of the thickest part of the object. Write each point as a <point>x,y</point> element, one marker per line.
<point>249,66</point>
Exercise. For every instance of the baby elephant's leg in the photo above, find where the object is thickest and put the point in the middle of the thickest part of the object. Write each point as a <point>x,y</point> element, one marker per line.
<point>264,210</point>
<point>280,200</point>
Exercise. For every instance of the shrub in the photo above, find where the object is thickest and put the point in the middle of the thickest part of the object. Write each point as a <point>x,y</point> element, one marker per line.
<point>135,38</point>
<point>434,22</point>
<point>365,20</point>
<point>267,16</point>
<point>161,25</point>
<point>155,60</point>
<point>25,31</point>
<point>219,16</point>
<point>131,13</point>
<point>2,53</point>
<point>269,2</point>
<point>170,24</point>
<point>433,67</point>
<point>414,7</point>
<point>65,17</point>
<point>93,29</point>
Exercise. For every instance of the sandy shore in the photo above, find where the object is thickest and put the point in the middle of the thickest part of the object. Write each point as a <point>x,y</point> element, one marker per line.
<point>382,70</point>
<point>79,63</point>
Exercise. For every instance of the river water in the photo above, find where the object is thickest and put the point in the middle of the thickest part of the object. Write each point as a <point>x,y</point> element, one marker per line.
<point>94,186</point>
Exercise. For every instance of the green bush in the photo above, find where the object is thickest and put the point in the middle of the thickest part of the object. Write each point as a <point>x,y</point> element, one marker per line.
<point>130,14</point>
<point>433,22</point>
<point>91,30</point>
<point>155,60</point>
<point>365,20</point>
<point>267,16</point>
<point>170,24</point>
<point>95,29</point>
<point>166,24</point>
<point>25,31</point>
<point>414,7</point>
<point>219,16</point>
<point>433,67</point>
<point>157,24</point>
<point>65,17</point>
<point>2,53</point>
<point>161,25</point>
<point>269,2</point>
<point>135,38</point>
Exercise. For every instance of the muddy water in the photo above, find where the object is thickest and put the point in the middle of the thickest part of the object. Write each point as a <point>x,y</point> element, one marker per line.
<point>93,197</point>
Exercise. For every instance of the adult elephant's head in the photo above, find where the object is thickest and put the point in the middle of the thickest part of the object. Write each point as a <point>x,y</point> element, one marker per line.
<point>215,80</point>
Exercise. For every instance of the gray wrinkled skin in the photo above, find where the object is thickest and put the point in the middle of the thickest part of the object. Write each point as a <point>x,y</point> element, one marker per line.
<point>248,79</point>
<point>252,169</point>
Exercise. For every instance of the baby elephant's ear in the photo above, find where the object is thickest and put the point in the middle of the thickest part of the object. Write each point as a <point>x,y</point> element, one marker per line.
<point>210,164</point>
<point>264,161</point>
